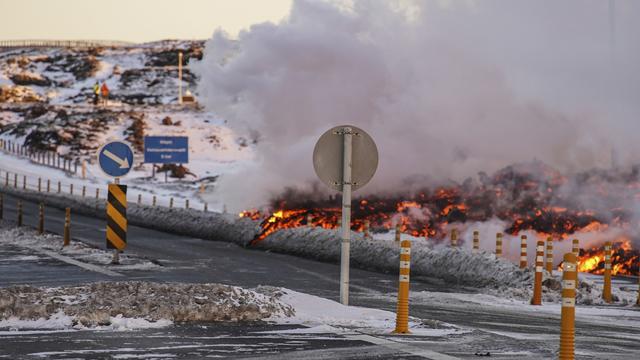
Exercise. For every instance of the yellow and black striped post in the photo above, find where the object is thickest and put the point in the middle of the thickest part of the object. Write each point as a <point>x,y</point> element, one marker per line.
<point>402,317</point>
<point>476,241</point>
<point>549,255</point>
<point>606,290</point>
<point>117,218</point>
<point>568,310</point>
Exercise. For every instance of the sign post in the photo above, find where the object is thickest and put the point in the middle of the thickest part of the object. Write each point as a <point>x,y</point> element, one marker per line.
<point>115,160</point>
<point>345,158</point>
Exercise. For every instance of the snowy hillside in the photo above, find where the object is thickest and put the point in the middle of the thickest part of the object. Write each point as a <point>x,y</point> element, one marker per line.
<point>46,105</point>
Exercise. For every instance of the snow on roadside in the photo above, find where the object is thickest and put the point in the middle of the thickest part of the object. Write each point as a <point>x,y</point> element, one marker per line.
<point>328,316</point>
<point>132,305</point>
<point>28,238</point>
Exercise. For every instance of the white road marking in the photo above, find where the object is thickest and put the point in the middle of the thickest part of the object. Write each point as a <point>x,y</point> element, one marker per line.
<point>71,261</point>
<point>406,348</point>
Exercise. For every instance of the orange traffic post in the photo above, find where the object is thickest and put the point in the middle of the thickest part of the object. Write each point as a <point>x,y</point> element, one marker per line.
<point>398,232</point>
<point>537,282</point>
<point>499,245</point>
<point>523,251</point>
<point>568,312</point>
<point>67,227</point>
<point>476,241</point>
<point>366,229</point>
<point>550,255</point>
<point>41,219</point>
<point>606,289</point>
<point>402,317</point>
<point>454,237</point>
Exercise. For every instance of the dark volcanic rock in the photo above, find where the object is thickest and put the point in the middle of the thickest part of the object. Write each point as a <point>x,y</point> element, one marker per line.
<point>26,78</point>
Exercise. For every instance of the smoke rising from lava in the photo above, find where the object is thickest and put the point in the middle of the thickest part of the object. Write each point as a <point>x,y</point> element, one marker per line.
<point>445,90</point>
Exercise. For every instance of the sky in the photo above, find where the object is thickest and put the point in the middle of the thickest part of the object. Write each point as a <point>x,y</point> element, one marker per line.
<point>133,20</point>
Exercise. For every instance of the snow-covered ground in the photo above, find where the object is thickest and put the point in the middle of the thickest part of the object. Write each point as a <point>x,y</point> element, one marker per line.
<point>49,245</point>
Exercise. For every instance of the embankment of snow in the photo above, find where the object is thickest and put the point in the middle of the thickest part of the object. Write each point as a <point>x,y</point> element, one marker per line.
<point>455,265</point>
<point>189,222</point>
<point>132,304</point>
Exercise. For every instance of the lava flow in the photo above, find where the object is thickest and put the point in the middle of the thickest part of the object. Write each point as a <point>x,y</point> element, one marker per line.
<point>527,197</point>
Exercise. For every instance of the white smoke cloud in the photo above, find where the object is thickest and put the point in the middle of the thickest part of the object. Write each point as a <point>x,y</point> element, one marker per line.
<point>446,89</point>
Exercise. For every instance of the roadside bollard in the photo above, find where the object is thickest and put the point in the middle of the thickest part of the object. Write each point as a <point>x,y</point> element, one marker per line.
<point>224,211</point>
<point>1,206</point>
<point>499,245</point>
<point>170,203</point>
<point>206,207</point>
<point>41,219</point>
<point>84,190</point>
<point>398,232</point>
<point>48,185</point>
<point>97,194</point>
<point>186,204</point>
<point>537,282</point>
<point>476,241</point>
<point>606,289</point>
<point>454,237</point>
<point>402,316</point>
<point>19,212</point>
<point>153,203</point>
<point>24,182</point>
<point>367,235</point>
<point>550,255</point>
<point>575,248</point>
<point>523,251</point>
<point>59,187</point>
<point>637,301</point>
<point>15,181</point>
<point>84,169</point>
<point>71,189</point>
<point>67,227</point>
<point>39,184</point>
<point>139,199</point>
<point>309,220</point>
<point>6,180</point>
<point>568,312</point>
<point>201,188</point>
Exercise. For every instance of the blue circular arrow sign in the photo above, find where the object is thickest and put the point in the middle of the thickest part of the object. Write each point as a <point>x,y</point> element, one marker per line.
<point>115,158</point>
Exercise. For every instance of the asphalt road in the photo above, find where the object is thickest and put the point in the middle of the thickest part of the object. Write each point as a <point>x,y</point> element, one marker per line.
<point>506,334</point>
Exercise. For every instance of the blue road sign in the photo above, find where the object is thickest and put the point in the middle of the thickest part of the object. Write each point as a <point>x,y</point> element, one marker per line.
<point>115,158</point>
<point>166,149</point>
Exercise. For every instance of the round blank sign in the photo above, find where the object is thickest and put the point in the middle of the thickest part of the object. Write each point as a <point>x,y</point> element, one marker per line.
<point>328,157</point>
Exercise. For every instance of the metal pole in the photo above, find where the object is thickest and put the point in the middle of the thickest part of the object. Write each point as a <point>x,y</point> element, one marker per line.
<point>180,77</point>
<point>346,217</point>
